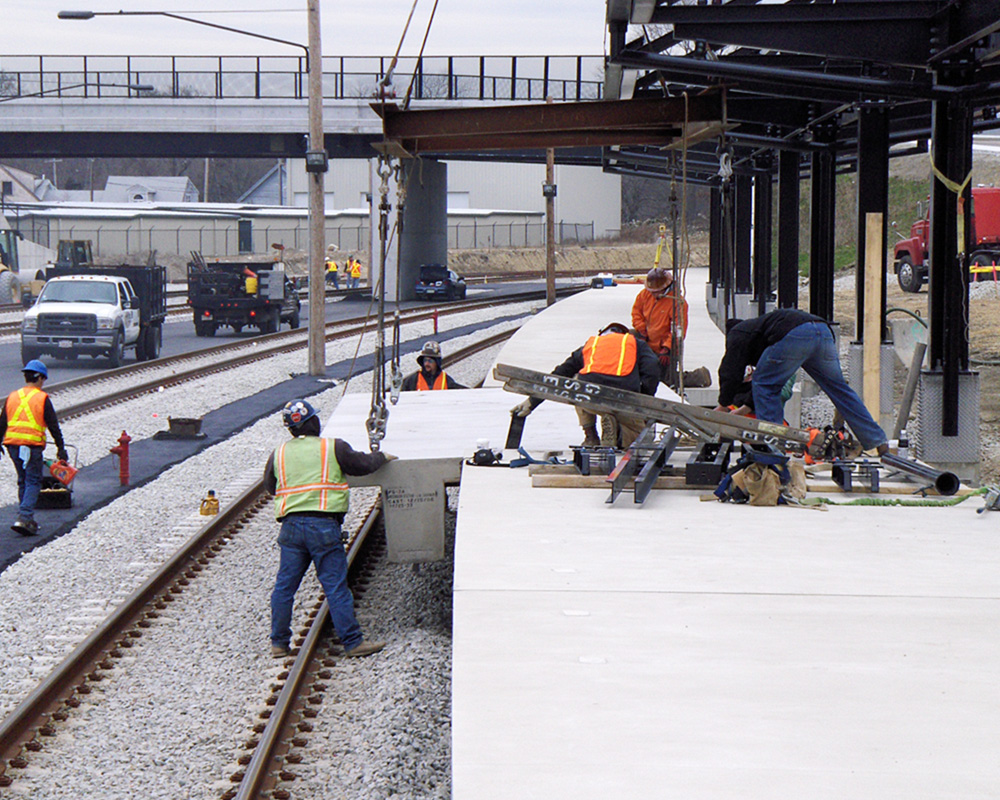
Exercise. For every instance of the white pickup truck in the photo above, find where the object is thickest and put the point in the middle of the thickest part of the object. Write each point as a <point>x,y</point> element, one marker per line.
<point>99,315</point>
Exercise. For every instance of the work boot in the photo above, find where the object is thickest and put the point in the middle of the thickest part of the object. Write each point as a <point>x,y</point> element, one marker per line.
<point>277,651</point>
<point>698,378</point>
<point>590,437</point>
<point>364,649</point>
<point>25,527</point>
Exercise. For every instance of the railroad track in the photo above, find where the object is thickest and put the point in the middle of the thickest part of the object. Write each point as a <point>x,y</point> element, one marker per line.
<point>33,721</point>
<point>276,731</point>
<point>174,370</point>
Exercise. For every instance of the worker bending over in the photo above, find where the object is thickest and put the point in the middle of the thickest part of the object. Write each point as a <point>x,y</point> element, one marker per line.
<point>616,358</point>
<point>306,477</point>
<point>775,346</point>
<point>430,376</point>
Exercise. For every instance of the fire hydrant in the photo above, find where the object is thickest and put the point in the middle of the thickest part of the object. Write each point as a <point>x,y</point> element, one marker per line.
<point>121,450</point>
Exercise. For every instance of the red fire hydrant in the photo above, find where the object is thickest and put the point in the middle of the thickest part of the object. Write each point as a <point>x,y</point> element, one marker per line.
<point>121,450</point>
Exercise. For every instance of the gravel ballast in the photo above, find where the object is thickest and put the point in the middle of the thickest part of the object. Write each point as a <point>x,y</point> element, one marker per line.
<point>171,719</point>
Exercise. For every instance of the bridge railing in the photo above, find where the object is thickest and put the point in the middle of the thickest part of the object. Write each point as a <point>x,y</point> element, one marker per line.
<point>490,78</point>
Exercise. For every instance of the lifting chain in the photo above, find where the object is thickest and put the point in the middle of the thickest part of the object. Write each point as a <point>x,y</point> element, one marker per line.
<point>379,414</point>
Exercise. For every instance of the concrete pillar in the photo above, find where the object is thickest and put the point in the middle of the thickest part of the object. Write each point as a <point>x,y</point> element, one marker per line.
<point>424,235</point>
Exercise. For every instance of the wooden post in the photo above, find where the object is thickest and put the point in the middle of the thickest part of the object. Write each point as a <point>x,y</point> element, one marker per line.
<point>872,323</point>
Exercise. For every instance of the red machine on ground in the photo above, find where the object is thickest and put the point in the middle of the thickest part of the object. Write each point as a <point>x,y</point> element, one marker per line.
<point>910,261</point>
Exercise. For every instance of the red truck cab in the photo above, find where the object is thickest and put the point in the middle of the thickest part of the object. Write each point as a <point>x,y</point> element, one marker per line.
<point>910,260</point>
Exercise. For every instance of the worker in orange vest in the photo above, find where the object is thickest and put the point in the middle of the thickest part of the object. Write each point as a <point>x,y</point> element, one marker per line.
<point>616,358</point>
<point>25,416</point>
<point>354,271</point>
<point>430,376</point>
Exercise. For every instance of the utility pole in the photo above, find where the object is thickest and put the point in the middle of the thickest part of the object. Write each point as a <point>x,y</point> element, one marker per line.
<point>549,190</point>
<point>315,171</point>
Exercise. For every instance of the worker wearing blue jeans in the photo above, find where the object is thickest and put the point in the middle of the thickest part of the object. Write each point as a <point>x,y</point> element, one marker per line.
<point>306,475</point>
<point>776,345</point>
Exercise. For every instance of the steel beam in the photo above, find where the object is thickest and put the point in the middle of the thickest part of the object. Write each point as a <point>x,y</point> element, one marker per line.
<point>602,122</point>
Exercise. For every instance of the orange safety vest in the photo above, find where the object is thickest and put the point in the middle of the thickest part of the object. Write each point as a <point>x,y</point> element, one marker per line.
<point>440,382</point>
<point>26,417</point>
<point>611,354</point>
<point>356,269</point>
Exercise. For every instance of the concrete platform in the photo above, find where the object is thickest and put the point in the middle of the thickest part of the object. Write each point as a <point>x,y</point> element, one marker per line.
<point>694,649</point>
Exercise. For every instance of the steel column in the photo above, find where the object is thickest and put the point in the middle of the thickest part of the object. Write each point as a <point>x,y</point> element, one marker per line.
<point>823,217</point>
<point>788,229</point>
<point>762,238</point>
<point>743,185</point>
<point>715,239</point>
<point>873,198</point>
<point>948,248</point>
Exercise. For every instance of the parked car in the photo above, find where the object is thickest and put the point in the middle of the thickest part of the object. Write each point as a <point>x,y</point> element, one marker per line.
<point>439,281</point>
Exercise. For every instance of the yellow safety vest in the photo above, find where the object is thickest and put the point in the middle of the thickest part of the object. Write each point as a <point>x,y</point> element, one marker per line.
<point>26,417</point>
<point>356,269</point>
<point>309,477</point>
<point>611,354</point>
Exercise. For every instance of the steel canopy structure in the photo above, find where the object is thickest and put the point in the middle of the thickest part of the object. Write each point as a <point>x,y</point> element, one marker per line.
<point>815,88</point>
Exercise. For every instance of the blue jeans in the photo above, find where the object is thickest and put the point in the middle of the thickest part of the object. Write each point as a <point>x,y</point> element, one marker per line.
<point>811,347</point>
<point>305,540</point>
<point>29,479</point>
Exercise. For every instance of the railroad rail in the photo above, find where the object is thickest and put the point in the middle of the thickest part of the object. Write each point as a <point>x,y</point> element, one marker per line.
<point>234,354</point>
<point>31,722</point>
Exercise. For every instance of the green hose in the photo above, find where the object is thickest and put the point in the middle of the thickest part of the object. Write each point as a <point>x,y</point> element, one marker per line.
<point>895,501</point>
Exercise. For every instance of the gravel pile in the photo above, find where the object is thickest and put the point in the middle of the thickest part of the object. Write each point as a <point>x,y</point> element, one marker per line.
<point>174,715</point>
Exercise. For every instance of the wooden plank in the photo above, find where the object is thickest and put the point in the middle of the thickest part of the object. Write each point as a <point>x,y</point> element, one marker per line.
<point>872,324</point>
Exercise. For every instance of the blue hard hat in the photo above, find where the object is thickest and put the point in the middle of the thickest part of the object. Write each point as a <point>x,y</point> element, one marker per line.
<point>36,366</point>
<point>296,412</point>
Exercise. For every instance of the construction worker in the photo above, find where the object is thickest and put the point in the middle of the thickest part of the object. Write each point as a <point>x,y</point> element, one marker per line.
<point>614,357</point>
<point>768,350</point>
<point>355,272</point>
<point>331,268</point>
<point>430,376</point>
<point>25,416</point>
<point>653,314</point>
<point>306,477</point>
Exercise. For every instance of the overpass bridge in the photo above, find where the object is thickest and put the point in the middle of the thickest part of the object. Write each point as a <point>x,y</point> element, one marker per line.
<point>252,106</point>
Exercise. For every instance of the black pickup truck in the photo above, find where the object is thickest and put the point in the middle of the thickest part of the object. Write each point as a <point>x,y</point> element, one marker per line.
<point>240,295</point>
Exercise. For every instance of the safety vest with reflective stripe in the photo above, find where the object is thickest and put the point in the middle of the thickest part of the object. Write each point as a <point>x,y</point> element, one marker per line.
<point>309,477</point>
<point>26,417</point>
<point>440,382</point>
<point>610,354</point>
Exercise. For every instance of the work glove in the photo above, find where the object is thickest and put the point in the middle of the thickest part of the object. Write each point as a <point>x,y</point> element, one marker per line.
<point>523,409</point>
<point>827,444</point>
<point>62,455</point>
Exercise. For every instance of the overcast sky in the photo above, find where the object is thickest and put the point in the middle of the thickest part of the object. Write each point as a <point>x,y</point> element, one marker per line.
<point>349,27</point>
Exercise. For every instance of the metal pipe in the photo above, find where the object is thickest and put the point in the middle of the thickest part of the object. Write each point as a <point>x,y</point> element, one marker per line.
<point>946,483</point>
<point>919,350</point>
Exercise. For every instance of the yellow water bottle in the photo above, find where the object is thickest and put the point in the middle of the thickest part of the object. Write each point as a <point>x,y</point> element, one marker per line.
<point>210,505</point>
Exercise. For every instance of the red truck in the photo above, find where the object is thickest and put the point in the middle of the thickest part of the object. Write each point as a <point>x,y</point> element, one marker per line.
<point>910,261</point>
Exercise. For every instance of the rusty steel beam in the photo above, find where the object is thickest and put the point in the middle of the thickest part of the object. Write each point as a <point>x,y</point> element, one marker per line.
<point>660,121</point>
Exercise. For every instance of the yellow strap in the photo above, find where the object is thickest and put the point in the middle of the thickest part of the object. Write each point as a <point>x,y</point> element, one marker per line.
<point>948,183</point>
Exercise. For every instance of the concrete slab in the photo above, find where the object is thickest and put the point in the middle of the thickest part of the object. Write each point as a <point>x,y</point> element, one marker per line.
<point>704,650</point>
<point>701,650</point>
